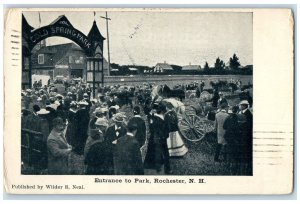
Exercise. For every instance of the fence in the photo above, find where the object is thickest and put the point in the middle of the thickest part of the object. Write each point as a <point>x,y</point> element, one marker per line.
<point>33,150</point>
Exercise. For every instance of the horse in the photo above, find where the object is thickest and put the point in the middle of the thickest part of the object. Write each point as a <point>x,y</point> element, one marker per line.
<point>165,92</point>
<point>175,93</point>
<point>156,95</point>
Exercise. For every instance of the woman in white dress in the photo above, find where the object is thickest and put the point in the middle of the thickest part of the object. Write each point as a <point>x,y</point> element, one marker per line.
<point>175,143</point>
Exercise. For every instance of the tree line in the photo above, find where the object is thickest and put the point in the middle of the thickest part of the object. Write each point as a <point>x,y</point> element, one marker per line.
<point>219,68</point>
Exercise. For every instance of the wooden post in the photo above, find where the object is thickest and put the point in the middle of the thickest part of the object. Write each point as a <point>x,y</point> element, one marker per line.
<point>106,18</point>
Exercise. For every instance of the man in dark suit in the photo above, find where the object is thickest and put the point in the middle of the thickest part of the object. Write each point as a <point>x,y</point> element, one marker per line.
<point>117,130</point>
<point>111,101</point>
<point>128,158</point>
<point>247,135</point>
<point>114,133</point>
<point>157,151</point>
<point>141,126</point>
<point>82,119</point>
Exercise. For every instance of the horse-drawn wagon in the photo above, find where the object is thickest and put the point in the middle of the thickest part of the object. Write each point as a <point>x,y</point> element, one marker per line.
<point>192,114</point>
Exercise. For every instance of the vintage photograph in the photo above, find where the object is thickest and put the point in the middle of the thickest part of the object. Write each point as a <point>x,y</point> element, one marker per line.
<point>147,92</point>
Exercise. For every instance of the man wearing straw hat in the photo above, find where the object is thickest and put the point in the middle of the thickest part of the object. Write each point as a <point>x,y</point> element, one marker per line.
<point>247,136</point>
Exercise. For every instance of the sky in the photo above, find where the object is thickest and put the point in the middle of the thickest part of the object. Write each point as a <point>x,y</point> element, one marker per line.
<point>148,38</point>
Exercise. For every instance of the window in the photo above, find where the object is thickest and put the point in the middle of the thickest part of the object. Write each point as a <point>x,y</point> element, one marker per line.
<point>41,59</point>
<point>79,61</point>
<point>88,65</point>
<point>70,59</point>
<point>97,66</point>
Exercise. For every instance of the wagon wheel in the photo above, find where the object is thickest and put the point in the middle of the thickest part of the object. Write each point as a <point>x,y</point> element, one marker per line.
<point>192,127</point>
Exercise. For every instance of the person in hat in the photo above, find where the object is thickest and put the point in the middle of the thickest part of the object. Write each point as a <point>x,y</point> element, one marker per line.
<point>98,153</point>
<point>175,143</point>
<point>116,130</point>
<point>58,149</point>
<point>98,113</point>
<point>51,107</point>
<point>232,137</point>
<point>27,98</point>
<point>85,96</point>
<point>73,95</point>
<point>221,116</point>
<point>72,123</point>
<point>61,109</point>
<point>215,98</point>
<point>141,126</point>
<point>112,111</point>
<point>157,151</point>
<point>128,158</point>
<point>246,96</point>
<point>44,123</point>
<point>80,92</point>
<point>222,99</point>
<point>96,133</point>
<point>82,119</point>
<point>102,99</point>
<point>246,136</point>
<point>67,101</point>
<point>111,101</point>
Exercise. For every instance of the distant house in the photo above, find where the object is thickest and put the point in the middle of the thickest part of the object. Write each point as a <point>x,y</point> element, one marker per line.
<point>162,67</point>
<point>191,68</point>
<point>133,70</point>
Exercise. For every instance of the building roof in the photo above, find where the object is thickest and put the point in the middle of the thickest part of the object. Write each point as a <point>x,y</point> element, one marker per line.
<point>95,34</point>
<point>133,69</point>
<point>25,24</point>
<point>191,67</point>
<point>164,66</point>
<point>63,19</point>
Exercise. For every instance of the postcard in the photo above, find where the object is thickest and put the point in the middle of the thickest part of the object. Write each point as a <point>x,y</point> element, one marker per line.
<point>148,101</point>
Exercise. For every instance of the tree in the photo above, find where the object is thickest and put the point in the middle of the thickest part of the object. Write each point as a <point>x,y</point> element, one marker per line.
<point>234,62</point>
<point>219,64</point>
<point>206,67</point>
<point>115,65</point>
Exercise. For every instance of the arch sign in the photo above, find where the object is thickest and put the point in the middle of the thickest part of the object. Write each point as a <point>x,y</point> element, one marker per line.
<point>62,28</point>
<point>92,44</point>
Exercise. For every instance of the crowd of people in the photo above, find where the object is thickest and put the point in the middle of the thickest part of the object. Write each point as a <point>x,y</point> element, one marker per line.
<point>233,127</point>
<point>109,140</point>
<point>114,142</point>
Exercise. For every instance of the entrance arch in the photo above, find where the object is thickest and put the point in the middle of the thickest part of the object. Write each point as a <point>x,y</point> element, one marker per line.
<point>92,45</point>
